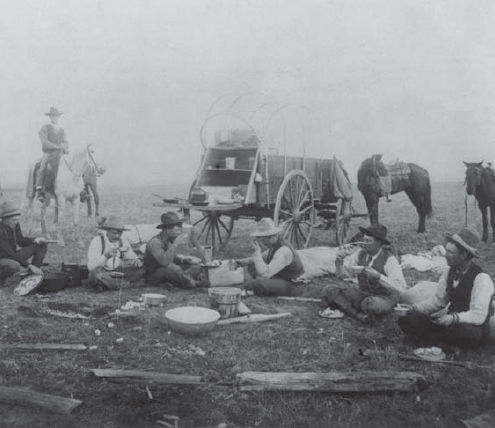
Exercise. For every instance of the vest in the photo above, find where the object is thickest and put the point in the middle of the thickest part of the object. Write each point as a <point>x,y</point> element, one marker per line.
<point>460,296</point>
<point>54,137</point>
<point>292,271</point>
<point>373,286</point>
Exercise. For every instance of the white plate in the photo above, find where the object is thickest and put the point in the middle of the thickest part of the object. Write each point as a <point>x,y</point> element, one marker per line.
<point>331,313</point>
<point>430,354</point>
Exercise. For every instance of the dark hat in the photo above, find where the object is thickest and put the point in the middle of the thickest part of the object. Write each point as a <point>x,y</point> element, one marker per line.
<point>53,112</point>
<point>378,231</point>
<point>8,210</point>
<point>468,239</point>
<point>112,222</point>
<point>170,219</point>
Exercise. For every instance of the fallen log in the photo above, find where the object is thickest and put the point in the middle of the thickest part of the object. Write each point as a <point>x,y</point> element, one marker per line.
<point>143,376</point>
<point>330,382</point>
<point>25,397</point>
<point>253,318</point>
<point>44,347</point>
<point>301,299</point>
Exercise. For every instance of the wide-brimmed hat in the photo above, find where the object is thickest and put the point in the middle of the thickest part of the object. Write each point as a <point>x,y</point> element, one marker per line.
<point>7,209</point>
<point>170,219</point>
<point>266,227</point>
<point>378,231</point>
<point>468,239</point>
<point>54,112</point>
<point>112,222</point>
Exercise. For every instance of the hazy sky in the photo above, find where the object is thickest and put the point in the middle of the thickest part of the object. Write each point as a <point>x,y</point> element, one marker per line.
<point>410,78</point>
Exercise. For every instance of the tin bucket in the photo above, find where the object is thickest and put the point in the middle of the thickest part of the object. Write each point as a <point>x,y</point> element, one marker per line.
<point>225,300</point>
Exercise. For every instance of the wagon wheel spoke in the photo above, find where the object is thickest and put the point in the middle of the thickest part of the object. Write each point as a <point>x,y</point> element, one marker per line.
<point>216,229</point>
<point>206,223</point>
<point>295,205</point>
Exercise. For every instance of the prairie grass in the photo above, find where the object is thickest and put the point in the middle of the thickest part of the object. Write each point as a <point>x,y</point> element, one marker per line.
<point>303,342</point>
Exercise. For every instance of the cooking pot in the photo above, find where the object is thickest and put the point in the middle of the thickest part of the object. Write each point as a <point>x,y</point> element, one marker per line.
<point>54,281</point>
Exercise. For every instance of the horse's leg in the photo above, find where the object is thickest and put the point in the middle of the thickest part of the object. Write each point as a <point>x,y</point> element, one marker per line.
<point>44,208</point>
<point>29,215</point>
<point>75,211</point>
<point>88,199</point>
<point>56,213</point>
<point>97,198</point>
<point>372,205</point>
<point>61,214</point>
<point>417,200</point>
<point>492,221</point>
<point>484,221</point>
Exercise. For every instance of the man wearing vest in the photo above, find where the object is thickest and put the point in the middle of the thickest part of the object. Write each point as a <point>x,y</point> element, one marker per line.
<point>53,144</point>
<point>466,294</point>
<point>112,263</point>
<point>277,268</point>
<point>166,268</point>
<point>380,278</point>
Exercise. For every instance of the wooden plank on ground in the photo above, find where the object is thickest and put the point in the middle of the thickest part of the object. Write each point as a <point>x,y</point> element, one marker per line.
<point>44,347</point>
<point>330,382</point>
<point>253,318</point>
<point>144,376</point>
<point>25,397</point>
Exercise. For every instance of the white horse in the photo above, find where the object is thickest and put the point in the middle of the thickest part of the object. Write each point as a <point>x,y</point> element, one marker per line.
<point>66,188</point>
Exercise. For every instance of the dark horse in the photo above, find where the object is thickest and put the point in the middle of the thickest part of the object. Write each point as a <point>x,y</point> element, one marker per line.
<point>480,182</point>
<point>416,184</point>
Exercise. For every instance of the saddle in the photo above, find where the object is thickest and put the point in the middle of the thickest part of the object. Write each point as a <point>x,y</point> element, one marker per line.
<point>397,173</point>
<point>50,173</point>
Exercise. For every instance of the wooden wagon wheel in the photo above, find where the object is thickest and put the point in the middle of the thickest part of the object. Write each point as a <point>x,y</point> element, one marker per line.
<point>295,208</point>
<point>342,221</point>
<point>215,229</point>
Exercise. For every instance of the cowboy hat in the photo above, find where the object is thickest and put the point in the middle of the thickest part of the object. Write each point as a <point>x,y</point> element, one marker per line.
<point>468,239</point>
<point>53,112</point>
<point>8,210</point>
<point>170,219</point>
<point>266,227</point>
<point>112,222</point>
<point>378,231</point>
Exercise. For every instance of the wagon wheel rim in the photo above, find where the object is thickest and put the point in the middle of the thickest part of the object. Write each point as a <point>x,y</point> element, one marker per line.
<point>215,229</point>
<point>342,221</point>
<point>295,209</point>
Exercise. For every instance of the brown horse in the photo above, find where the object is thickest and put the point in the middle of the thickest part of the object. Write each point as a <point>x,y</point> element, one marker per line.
<point>416,184</point>
<point>480,182</point>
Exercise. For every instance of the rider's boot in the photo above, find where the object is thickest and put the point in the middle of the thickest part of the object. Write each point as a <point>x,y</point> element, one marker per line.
<point>40,194</point>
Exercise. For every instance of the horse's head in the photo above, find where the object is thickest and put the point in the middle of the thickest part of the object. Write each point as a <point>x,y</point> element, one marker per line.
<point>369,171</point>
<point>473,176</point>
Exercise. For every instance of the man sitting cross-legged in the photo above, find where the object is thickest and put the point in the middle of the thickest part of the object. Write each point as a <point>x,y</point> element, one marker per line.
<point>380,278</point>
<point>112,263</point>
<point>464,290</point>
<point>164,267</point>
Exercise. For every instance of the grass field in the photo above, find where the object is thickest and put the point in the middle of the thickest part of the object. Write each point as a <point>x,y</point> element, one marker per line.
<point>303,342</point>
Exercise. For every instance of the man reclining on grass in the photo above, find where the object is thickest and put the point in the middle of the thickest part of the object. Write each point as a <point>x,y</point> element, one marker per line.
<point>380,278</point>
<point>464,290</point>
<point>166,268</point>
<point>112,263</point>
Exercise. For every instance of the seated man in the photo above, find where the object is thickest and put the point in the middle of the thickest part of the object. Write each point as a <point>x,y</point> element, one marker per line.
<point>467,292</point>
<point>278,267</point>
<point>380,278</point>
<point>112,263</point>
<point>16,249</point>
<point>164,267</point>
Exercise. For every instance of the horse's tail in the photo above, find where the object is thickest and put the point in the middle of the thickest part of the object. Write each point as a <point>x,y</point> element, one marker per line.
<point>427,200</point>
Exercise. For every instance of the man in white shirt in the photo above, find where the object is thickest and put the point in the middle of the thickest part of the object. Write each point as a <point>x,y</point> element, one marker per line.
<point>277,268</point>
<point>464,290</point>
<point>112,263</point>
<point>380,277</point>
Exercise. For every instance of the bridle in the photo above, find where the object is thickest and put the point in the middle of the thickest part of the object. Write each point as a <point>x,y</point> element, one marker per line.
<point>89,155</point>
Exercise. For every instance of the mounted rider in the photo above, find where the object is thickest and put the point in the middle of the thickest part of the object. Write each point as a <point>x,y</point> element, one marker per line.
<point>54,143</point>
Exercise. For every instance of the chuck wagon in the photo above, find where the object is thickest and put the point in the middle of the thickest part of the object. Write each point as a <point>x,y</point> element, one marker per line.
<point>241,176</point>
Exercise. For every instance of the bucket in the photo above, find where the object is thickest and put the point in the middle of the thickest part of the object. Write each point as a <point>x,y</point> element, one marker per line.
<point>73,271</point>
<point>208,251</point>
<point>225,300</point>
